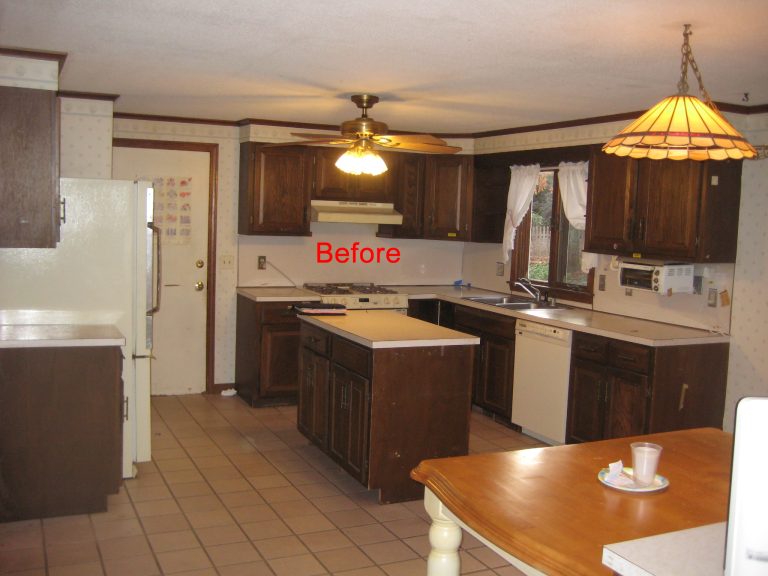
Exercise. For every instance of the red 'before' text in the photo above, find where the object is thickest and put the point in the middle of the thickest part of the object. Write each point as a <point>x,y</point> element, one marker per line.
<point>326,253</point>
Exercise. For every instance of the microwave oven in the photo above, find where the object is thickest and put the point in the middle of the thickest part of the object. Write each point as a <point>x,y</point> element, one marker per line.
<point>659,278</point>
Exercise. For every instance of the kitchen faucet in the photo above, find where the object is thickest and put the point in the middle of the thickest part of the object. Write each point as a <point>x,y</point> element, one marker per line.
<point>528,286</point>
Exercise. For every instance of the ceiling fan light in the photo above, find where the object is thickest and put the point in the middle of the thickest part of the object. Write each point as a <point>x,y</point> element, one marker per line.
<point>361,159</point>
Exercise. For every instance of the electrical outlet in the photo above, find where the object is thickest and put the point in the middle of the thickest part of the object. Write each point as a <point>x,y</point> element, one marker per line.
<point>712,298</point>
<point>601,282</point>
<point>499,268</point>
<point>262,262</point>
<point>627,291</point>
<point>227,261</point>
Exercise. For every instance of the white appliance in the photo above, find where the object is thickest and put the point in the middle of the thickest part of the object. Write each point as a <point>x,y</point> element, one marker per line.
<point>99,273</point>
<point>541,376</point>
<point>657,277</point>
<point>746,550</point>
<point>360,296</point>
<point>355,212</point>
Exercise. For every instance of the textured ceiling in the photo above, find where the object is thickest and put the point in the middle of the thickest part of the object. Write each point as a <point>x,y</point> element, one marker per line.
<point>441,66</point>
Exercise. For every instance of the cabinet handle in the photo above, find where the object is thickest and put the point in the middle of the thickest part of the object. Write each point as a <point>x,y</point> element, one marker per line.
<point>626,358</point>
<point>63,215</point>
<point>343,395</point>
<point>683,390</point>
<point>641,229</point>
<point>589,349</point>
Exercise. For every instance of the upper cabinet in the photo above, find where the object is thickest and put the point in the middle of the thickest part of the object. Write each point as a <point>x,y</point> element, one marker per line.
<point>275,187</point>
<point>665,209</point>
<point>29,168</point>
<point>330,183</point>
<point>407,180</point>
<point>448,197</point>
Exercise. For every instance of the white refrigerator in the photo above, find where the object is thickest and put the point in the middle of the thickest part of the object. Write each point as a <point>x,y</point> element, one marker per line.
<point>101,272</point>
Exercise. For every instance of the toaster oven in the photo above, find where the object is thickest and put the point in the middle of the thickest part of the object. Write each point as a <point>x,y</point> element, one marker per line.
<point>660,278</point>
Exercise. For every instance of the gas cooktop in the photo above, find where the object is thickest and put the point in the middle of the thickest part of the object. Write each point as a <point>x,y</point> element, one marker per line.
<point>341,289</point>
<point>360,296</point>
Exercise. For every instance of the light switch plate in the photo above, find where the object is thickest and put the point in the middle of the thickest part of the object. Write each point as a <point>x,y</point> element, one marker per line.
<point>262,263</point>
<point>712,298</point>
<point>601,282</point>
<point>499,268</point>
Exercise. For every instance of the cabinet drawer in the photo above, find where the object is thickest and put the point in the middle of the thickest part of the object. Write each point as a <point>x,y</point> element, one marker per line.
<point>277,313</point>
<point>352,356</point>
<point>315,339</point>
<point>630,356</point>
<point>484,322</point>
<point>589,347</point>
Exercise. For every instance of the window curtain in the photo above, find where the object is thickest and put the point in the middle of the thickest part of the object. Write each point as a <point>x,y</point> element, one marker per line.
<point>572,178</point>
<point>522,184</point>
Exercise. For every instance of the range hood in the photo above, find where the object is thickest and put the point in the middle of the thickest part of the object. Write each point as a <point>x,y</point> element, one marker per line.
<point>355,212</point>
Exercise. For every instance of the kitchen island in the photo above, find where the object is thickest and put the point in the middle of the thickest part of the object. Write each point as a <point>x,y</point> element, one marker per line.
<point>380,391</point>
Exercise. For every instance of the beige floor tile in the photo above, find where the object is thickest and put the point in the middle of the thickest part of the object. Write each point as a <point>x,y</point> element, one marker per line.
<point>408,527</point>
<point>202,503</point>
<point>68,529</point>
<point>370,571</point>
<point>230,485</point>
<point>89,569</point>
<point>183,560</point>
<point>265,530</point>
<point>209,518</point>
<point>18,559</point>
<point>124,547</point>
<point>175,464</point>
<point>281,494</point>
<point>204,462</point>
<point>249,569</point>
<point>508,571</point>
<point>236,553</point>
<point>320,490</point>
<point>221,535</point>
<point>191,489</point>
<point>419,544</point>
<point>240,499</point>
<point>22,534</point>
<point>328,540</point>
<point>143,565</point>
<point>74,553</point>
<point>227,472</point>
<point>343,559</point>
<point>488,557</point>
<point>268,481</point>
<point>416,567</point>
<point>469,563</point>
<point>334,503</point>
<point>350,518</point>
<point>304,565</point>
<point>171,541</point>
<point>290,508</point>
<point>309,523</point>
<point>257,513</point>
<point>182,476</point>
<point>156,508</point>
<point>117,529</point>
<point>280,547</point>
<point>369,534</point>
<point>388,552</point>
<point>166,523</point>
<point>159,454</point>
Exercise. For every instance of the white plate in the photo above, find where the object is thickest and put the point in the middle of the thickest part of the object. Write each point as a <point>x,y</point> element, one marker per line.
<point>625,483</point>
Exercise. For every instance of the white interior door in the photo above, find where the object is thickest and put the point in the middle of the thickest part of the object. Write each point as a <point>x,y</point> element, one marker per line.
<point>181,211</point>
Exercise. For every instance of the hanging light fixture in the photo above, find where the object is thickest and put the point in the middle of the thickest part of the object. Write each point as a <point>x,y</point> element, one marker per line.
<point>361,158</point>
<point>682,127</point>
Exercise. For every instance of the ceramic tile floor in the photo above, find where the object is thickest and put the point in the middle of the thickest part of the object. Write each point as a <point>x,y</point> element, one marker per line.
<point>233,490</point>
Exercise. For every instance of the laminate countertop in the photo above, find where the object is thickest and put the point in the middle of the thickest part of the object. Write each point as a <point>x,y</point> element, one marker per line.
<point>59,335</point>
<point>386,329</point>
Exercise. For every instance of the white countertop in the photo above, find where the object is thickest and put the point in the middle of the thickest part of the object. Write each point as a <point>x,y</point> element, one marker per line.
<point>59,335</point>
<point>385,329</point>
<point>645,332</point>
<point>694,552</point>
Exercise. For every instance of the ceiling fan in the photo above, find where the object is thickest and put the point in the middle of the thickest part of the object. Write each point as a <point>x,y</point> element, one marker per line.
<point>364,131</point>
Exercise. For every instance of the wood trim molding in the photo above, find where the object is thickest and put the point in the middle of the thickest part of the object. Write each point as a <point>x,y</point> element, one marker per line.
<point>213,179</point>
<point>179,119</point>
<point>60,57</point>
<point>87,95</point>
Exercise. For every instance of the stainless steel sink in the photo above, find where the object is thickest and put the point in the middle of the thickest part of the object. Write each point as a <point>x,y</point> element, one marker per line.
<point>522,305</point>
<point>511,302</point>
<point>493,300</point>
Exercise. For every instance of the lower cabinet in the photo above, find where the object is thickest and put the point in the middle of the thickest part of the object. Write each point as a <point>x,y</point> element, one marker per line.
<point>267,345</point>
<point>61,429</point>
<point>621,389</point>
<point>379,412</point>
<point>495,365</point>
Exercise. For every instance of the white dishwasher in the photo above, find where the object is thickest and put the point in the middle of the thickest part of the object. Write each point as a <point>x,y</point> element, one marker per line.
<point>540,389</point>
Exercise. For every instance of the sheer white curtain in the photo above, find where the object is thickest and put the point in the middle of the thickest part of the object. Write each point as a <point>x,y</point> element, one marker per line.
<point>522,184</point>
<point>572,178</point>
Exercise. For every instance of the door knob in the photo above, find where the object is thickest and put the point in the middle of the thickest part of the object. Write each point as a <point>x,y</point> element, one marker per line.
<point>199,264</point>
<point>199,286</point>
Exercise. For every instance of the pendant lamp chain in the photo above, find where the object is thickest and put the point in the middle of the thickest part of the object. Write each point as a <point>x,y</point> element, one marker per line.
<point>682,85</point>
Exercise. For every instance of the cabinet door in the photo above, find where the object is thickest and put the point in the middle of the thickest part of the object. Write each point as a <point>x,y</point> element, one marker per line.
<point>279,374</point>
<point>330,183</point>
<point>477,372</point>
<point>274,190</point>
<point>29,156</point>
<point>313,397</point>
<point>349,421</point>
<point>668,198</point>
<point>627,404</point>
<point>586,404</point>
<point>407,183</point>
<point>496,374</point>
<point>448,197</point>
<point>609,204</point>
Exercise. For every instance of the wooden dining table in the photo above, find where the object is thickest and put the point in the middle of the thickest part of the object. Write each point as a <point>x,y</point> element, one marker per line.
<point>546,512</point>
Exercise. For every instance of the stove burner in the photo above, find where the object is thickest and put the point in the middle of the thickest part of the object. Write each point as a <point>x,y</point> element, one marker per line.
<point>347,289</point>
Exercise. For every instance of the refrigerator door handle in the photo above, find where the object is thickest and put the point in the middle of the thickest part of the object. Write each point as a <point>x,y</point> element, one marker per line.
<point>155,263</point>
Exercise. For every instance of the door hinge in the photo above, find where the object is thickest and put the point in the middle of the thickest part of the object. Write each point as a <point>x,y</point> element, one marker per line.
<point>125,409</point>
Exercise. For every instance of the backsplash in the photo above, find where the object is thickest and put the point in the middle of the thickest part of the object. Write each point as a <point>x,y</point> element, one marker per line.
<point>294,261</point>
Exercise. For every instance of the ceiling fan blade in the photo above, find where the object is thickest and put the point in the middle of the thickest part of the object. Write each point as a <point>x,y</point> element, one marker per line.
<point>310,136</point>
<point>420,147</point>
<point>395,139</point>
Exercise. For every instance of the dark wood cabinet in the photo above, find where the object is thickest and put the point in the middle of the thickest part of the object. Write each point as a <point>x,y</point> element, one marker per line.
<point>620,389</point>
<point>266,352</point>
<point>682,210</point>
<point>495,366</point>
<point>60,430</point>
<point>313,397</point>
<point>448,197</point>
<point>29,168</point>
<point>407,179</point>
<point>382,414</point>
<point>275,188</point>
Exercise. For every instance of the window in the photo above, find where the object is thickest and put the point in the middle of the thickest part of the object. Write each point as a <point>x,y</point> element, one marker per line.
<point>548,248</point>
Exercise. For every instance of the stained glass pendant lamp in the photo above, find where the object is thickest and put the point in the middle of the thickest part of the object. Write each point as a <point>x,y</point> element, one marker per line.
<point>682,127</point>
